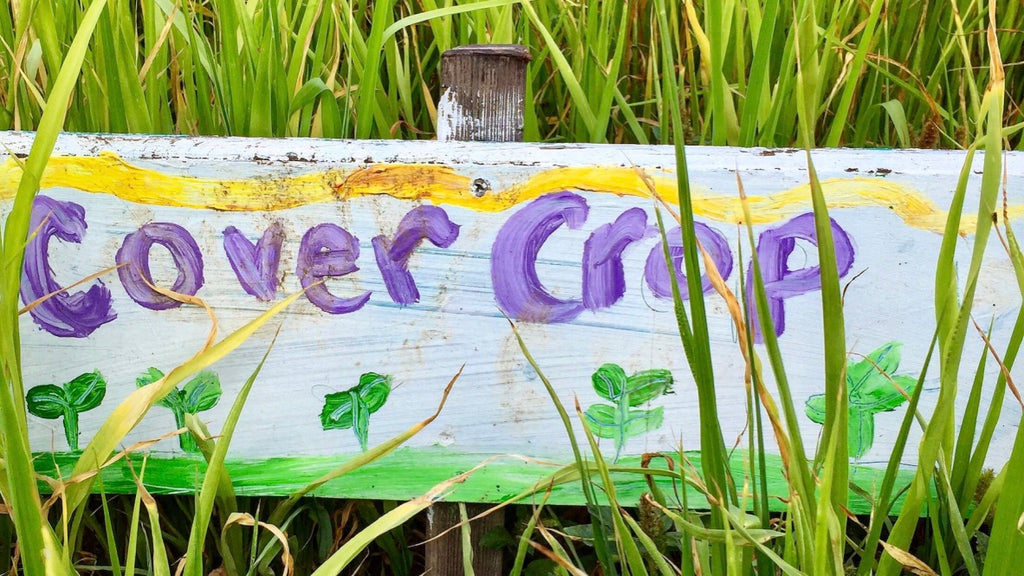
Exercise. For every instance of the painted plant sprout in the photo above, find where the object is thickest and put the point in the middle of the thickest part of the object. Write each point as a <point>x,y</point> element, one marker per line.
<point>67,401</point>
<point>873,387</point>
<point>352,408</point>
<point>623,418</point>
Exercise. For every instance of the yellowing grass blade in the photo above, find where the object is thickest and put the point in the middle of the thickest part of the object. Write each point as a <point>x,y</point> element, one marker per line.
<point>354,547</point>
<point>159,560</point>
<point>247,520</point>
<point>216,474</point>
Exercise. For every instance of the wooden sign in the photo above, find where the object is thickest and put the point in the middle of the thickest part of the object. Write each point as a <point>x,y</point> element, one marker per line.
<point>424,249</point>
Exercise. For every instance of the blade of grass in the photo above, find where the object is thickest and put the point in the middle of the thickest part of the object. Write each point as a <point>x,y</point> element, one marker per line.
<point>884,501</point>
<point>600,543</point>
<point>19,488</point>
<point>867,37</point>
<point>802,494</point>
<point>108,525</point>
<point>968,427</point>
<point>714,461</point>
<point>158,561</point>
<point>953,316</point>
<point>628,551</point>
<point>467,541</point>
<point>208,492</point>
<point>134,525</point>
<point>130,412</point>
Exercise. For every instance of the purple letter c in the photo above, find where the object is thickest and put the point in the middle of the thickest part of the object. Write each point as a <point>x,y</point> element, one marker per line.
<point>73,315</point>
<point>514,258</point>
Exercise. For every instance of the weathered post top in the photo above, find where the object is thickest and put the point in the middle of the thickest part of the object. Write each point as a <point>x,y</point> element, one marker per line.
<point>482,91</point>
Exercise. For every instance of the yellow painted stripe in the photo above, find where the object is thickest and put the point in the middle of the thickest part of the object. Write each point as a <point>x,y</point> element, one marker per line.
<point>107,173</point>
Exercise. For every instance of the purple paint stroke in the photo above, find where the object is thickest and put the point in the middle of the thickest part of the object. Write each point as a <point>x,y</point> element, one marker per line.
<point>421,223</point>
<point>256,265</point>
<point>774,247</point>
<point>328,251</point>
<point>133,259</point>
<point>656,272</point>
<point>604,279</point>
<point>74,315</point>
<point>517,289</point>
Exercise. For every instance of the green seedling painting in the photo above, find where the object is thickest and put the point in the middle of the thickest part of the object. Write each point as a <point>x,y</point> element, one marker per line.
<point>198,395</point>
<point>621,419</point>
<point>79,395</point>
<point>352,408</point>
<point>872,387</point>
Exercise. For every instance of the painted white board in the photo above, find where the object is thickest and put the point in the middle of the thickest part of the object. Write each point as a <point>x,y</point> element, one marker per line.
<point>534,232</point>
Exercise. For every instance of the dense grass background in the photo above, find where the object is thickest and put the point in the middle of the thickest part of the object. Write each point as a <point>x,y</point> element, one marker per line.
<point>902,73</point>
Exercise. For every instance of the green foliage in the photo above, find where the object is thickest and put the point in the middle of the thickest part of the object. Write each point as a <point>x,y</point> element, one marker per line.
<point>369,69</point>
<point>82,394</point>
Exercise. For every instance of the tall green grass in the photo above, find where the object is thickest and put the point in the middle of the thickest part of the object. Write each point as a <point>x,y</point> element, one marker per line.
<point>898,74</point>
<point>48,533</point>
<point>948,499</point>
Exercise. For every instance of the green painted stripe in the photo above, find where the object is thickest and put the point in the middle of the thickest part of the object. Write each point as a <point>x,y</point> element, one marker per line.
<point>410,472</point>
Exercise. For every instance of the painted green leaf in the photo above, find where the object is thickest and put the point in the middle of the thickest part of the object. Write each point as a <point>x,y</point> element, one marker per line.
<point>47,401</point>
<point>361,423</point>
<point>81,394</point>
<point>872,388</point>
<point>881,395</point>
<point>337,411</point>
<point>647,385</point>
<point>352,408</point>
<point>884,359</point>
<point>861,432</point>
<point>374,390</point>
<point>201,393</point>
<point>86,391</point>
<point>148,377</point>
<point>609,381</point>
<point>640,422</point>
<point>603,420</point>
<point>607,421</point>
<point>815,408</point>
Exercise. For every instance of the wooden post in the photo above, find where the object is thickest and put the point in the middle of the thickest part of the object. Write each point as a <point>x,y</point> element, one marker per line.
<point>483,91</point>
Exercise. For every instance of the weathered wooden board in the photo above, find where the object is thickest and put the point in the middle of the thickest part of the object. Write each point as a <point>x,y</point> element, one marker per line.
<point>425,248</point>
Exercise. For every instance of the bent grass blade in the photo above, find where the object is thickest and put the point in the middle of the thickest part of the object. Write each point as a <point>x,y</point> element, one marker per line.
<point>36,538</point>
<point>129,413</point>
